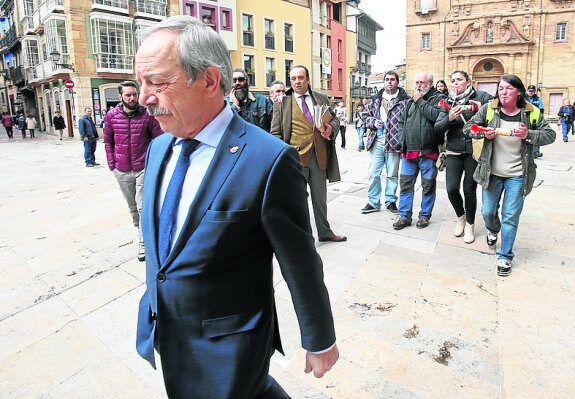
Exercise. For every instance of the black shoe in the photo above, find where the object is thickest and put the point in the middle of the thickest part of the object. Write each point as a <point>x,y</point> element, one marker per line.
<point>96,164</point>
<point>503,267</point>
<point>392,208</point>
<point>422,223</point>
<point>369,209</point>
<point>89,165</point>
<point>401,223</point>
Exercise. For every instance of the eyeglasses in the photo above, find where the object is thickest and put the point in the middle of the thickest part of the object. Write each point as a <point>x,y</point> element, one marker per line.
<point>240,79</point>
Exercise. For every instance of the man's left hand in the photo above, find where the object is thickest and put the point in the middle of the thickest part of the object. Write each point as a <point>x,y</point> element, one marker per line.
<point>321,363</point>
<point>327,132</point>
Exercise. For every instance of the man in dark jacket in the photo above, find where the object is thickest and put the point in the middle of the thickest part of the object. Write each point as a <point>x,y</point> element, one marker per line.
<point>89,135</point>
<point>128,131</point>
<point>59,123</point>
<point>419,151</point>
<point>538,102</point>
<point>252,107</point>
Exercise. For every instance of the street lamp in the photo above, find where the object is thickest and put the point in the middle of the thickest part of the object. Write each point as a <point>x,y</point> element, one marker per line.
<point>55,57</point>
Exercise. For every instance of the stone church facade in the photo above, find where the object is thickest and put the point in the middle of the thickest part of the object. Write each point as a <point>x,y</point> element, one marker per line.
<point>528,38</point>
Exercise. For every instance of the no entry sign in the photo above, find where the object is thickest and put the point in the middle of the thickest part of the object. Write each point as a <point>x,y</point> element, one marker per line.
<point>69,84</point>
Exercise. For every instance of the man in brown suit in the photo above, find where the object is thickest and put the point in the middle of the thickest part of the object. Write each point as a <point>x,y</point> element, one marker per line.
<point>293,122</point>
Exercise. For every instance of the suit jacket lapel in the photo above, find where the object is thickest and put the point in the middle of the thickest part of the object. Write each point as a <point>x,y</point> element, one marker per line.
<point>155,164</point>
<point>227,154</point>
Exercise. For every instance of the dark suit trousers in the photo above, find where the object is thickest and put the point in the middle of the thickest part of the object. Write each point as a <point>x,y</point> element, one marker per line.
<point>316,179</point>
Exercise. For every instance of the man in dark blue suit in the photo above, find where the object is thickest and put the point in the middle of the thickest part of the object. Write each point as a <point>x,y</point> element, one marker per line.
<point>221,197</point>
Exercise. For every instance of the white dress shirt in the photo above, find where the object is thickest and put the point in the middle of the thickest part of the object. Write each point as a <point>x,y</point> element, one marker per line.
<point>308,101</point>
<point>209,138</point>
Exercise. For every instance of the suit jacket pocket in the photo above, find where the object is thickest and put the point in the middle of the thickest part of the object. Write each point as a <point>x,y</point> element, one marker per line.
<point>224,216</point>
<point>238,323</point>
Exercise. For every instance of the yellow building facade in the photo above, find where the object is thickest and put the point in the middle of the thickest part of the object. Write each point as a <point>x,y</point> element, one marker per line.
<point>531,39</point>
<point>272,38</point>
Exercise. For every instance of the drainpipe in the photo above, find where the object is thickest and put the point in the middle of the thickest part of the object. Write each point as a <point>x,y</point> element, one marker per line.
<point>445,39</point>
<point>539,42</point>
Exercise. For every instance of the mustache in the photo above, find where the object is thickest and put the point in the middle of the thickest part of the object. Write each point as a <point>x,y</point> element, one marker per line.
<point>158,111</point>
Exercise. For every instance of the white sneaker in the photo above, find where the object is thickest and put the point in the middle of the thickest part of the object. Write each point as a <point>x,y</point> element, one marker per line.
<point>459,226</point>
<point>141,252</point>
<point>503,267</point>
<point>469,233</point>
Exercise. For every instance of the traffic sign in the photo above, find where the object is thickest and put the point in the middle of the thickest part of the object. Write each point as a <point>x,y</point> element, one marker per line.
<point>69,84</point>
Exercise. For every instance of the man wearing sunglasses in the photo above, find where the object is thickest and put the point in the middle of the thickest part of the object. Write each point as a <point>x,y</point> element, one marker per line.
<point>250,106</point>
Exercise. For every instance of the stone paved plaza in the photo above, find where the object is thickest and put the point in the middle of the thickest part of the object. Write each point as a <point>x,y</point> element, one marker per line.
<point>419,313</point>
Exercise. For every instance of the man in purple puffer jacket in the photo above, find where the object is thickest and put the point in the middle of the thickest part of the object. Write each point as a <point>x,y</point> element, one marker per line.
<point>128,131</point>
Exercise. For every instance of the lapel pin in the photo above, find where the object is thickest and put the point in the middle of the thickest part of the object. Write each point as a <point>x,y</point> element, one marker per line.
<point>234,149</point>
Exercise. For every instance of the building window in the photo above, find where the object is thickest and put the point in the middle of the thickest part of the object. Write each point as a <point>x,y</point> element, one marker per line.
<point>288,66</point>
<point>288,37</point>
<point>112,3</point>
<point>190,8</point>
<point>339,49</point>
<point>154,7</point>
<point>250,69</point>
<point>32,53</point>
<point>226,19</point>
<point>270,33</point>
<point>561,32</point>
<point>112,42</point>
<point>270,71</point>
<point>426,41</point>
<point>340,79</point>
<point>248,29</point>
<point>209,16</point>
<point>141,26</point>
<point>55,31</point>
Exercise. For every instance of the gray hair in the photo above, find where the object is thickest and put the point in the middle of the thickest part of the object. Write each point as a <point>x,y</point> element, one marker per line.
<point>277,82</point>
<point>200,48</point>
<point>430,78</point>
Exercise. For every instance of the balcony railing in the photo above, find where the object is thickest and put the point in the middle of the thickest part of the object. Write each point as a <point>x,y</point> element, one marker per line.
<point>17,75</point>
<point>270,42</point>
<point>114,62</point>
<point>248,38</point>
<point>362,91</point>
<point>288,44</point>
<point>153,7</point>
<point>9,39</point>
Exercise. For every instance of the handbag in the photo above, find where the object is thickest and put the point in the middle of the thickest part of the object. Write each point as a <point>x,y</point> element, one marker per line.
<point>440,163</point>
<point>477,146</point>
<point>370,139</point>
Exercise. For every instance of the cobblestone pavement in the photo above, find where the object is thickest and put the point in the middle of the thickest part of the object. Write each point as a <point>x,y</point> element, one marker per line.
<point>419,313</point>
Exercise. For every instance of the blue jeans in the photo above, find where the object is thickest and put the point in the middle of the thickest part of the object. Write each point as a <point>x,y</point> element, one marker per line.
<point>378,160</point>
<point>510,210</point>
<point>89,150</point>
<point>410,168</point>
<point>360,132</point>
<point>566,128</point>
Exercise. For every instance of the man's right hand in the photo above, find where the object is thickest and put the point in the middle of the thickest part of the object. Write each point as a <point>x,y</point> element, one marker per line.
<point>417,95</point>
<point>377,123</point>
<point>233,97</point>
<point>86,138</point>
<point>321,363</point>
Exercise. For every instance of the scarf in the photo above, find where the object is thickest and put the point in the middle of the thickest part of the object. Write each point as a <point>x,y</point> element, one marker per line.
<point>462,98</point>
